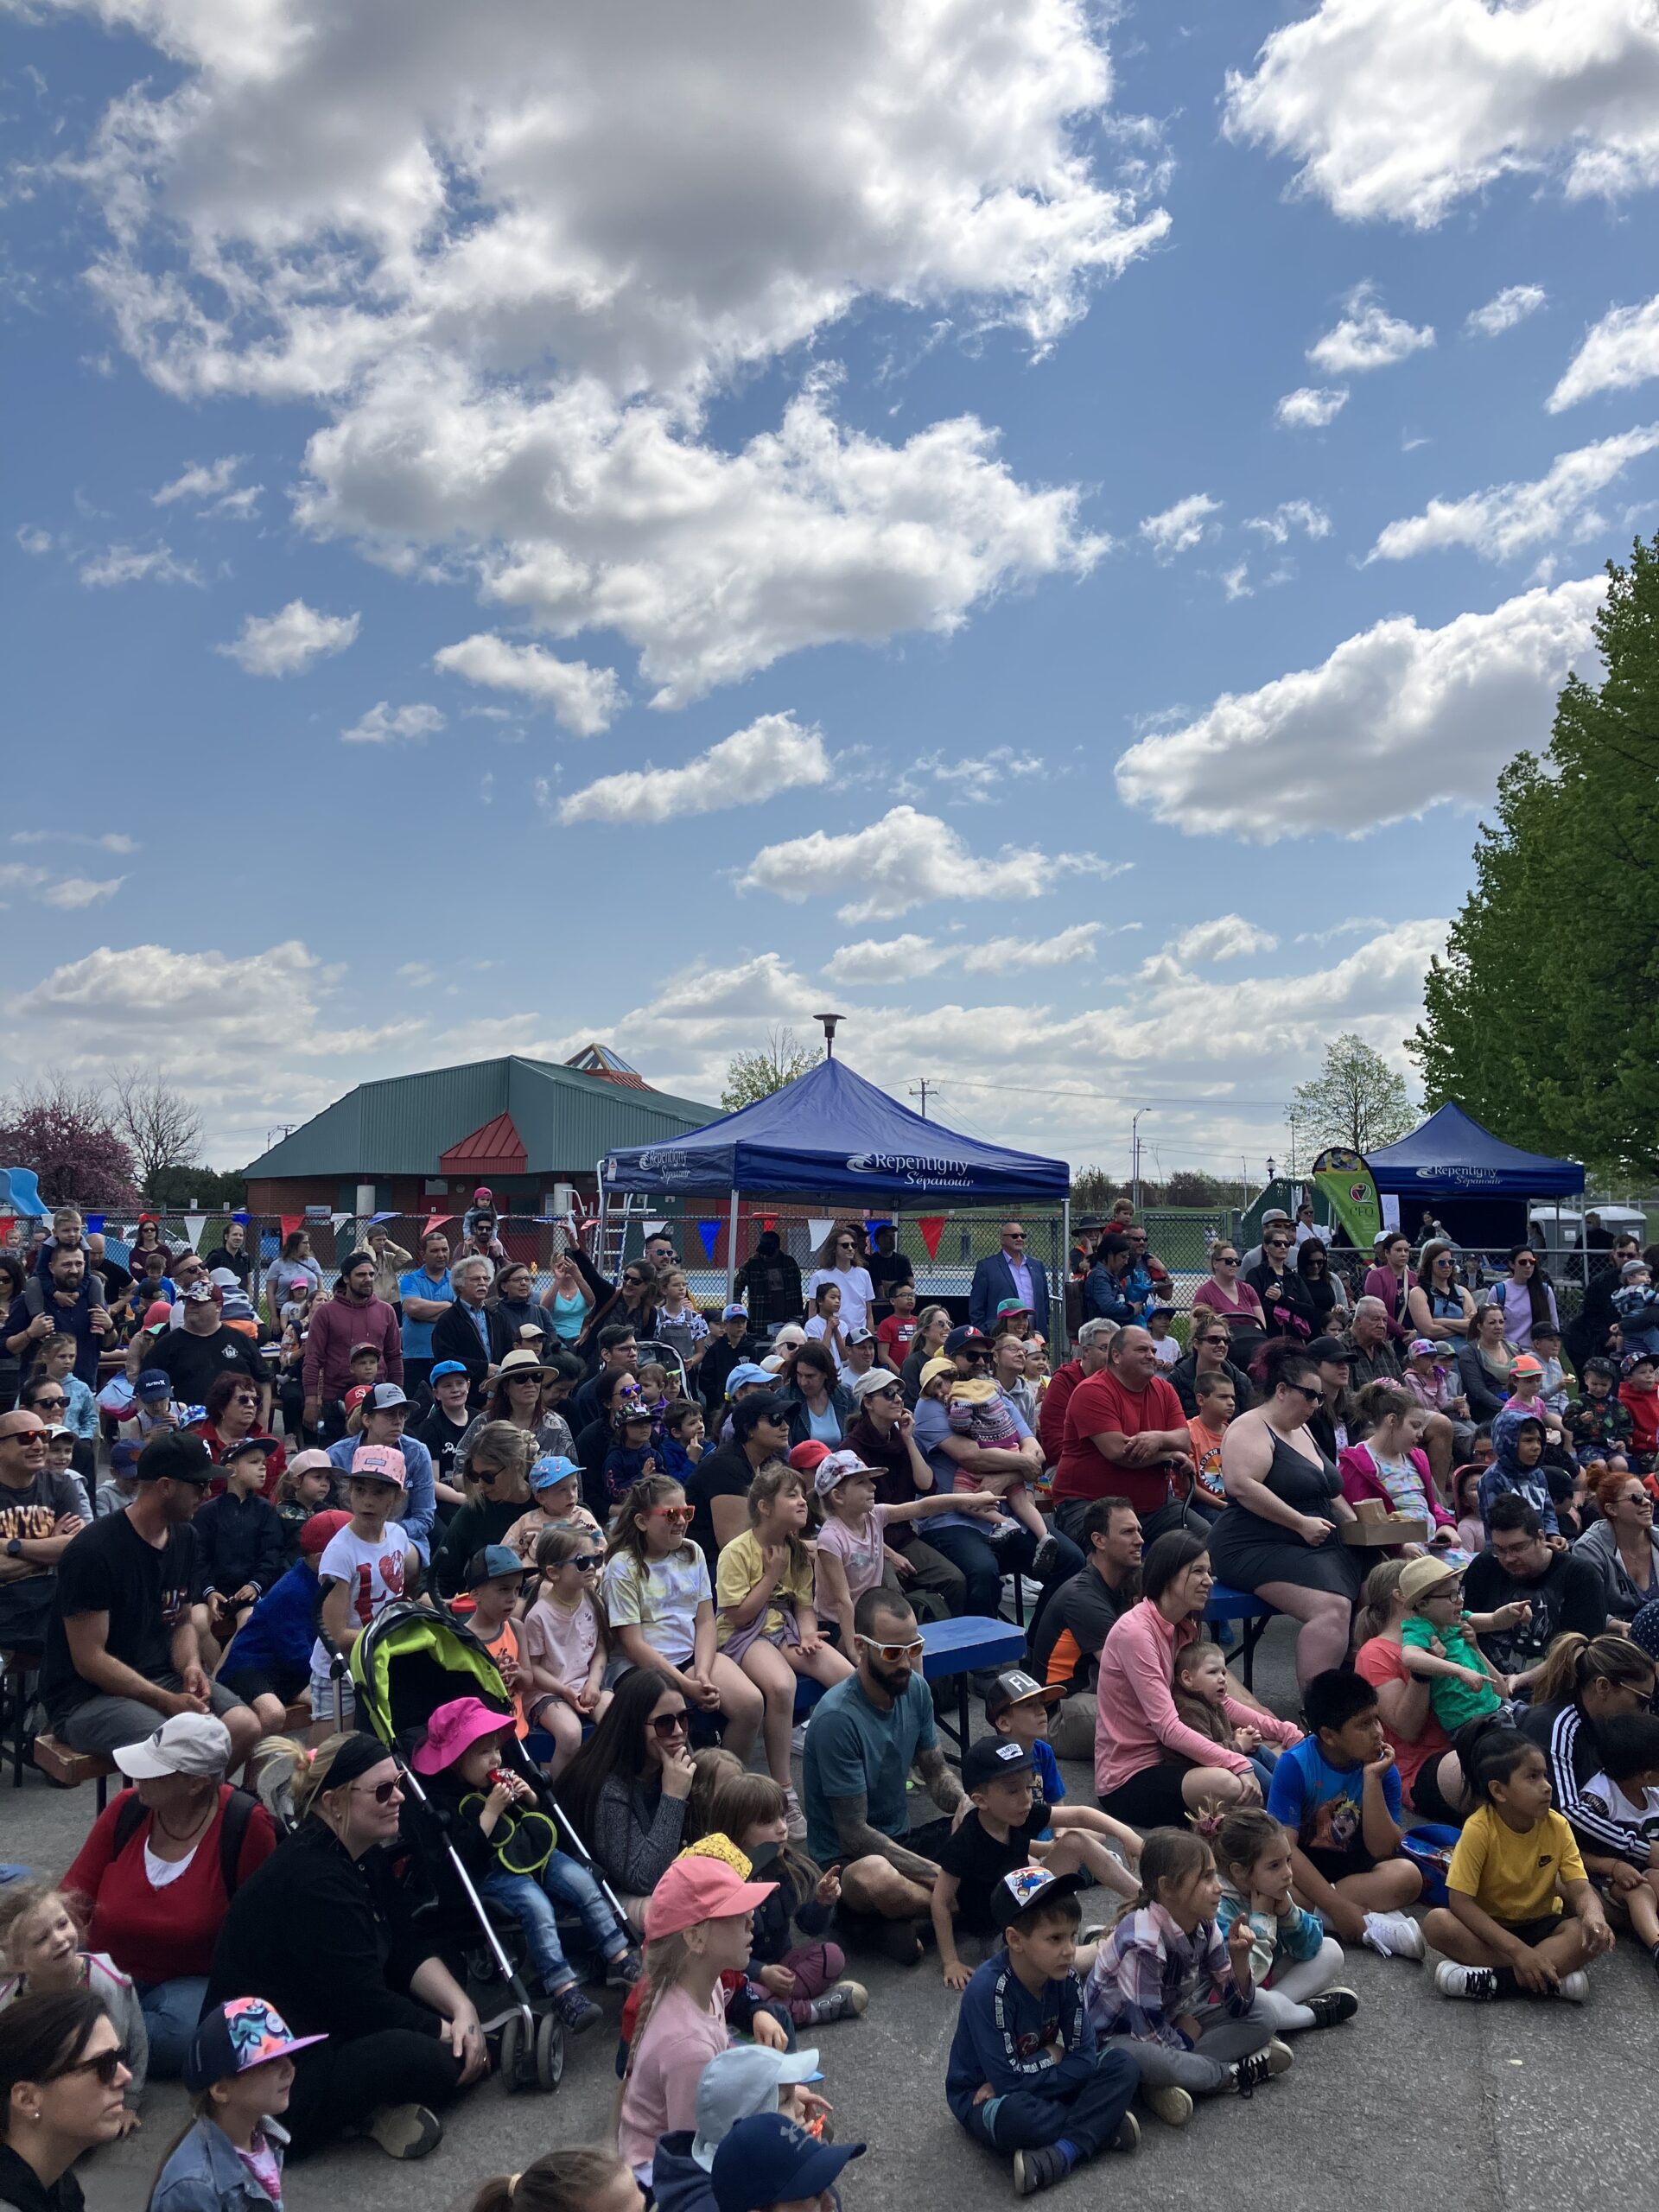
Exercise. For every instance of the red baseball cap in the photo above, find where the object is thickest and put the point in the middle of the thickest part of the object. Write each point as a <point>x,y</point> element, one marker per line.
<point>317,1534</point>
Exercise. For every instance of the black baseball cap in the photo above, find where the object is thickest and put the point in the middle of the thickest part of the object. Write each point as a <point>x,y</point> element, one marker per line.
<point>993,1758</point>
<point>1029,1887</point>
<point>1337,1350</point>
<point>966,1339</point>
<point>175,1457</point>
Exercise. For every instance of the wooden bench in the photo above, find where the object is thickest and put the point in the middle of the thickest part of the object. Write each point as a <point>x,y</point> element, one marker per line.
<point>68,1769</point>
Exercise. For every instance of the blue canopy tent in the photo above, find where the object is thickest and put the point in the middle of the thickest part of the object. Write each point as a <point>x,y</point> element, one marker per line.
<point>1479,1185</point>
<point>828,1134</point>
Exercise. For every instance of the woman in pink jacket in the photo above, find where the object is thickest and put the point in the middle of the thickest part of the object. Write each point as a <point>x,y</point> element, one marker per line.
<point>1151,1769</point>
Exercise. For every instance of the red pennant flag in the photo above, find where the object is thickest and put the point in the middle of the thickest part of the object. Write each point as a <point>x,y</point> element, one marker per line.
<point>769,1221</point>
<point>8,1222</point>
<point>932,1228</point>
<point>436,1221</point>
<point>291,1221</point>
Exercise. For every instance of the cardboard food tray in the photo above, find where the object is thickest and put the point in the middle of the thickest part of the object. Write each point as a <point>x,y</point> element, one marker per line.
<point>1385,1531</point>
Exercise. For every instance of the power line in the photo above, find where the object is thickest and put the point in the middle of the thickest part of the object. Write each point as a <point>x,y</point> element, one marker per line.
<point>1121,1097</point>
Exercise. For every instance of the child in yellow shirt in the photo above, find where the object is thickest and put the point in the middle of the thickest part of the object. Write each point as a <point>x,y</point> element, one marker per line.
<point>1521,1917</point>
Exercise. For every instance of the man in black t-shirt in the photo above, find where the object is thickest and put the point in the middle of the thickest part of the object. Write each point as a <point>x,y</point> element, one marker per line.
<point>121,1651</point>
<point>195,1355</point>
<point>1066,1643</point>
<point>1522,1569</point>
<point>40,1513</point>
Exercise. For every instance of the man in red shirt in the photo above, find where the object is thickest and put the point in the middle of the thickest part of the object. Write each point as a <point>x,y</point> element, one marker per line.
<point>1092,1340</point>
<point>1124,1430</point>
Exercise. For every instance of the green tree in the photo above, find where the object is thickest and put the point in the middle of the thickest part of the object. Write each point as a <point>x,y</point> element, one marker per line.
<point>1542,1020</point>
<point>781,1060</point>
<point>1356,1099</point>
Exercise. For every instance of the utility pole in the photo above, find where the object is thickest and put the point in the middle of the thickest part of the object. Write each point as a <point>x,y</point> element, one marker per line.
<point>919,1091</point>
<point>1134,1155</point>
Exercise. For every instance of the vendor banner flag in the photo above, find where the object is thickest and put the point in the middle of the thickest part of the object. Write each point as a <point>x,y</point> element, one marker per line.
<point>932,1228</point>
<point>709,1232</point>
<point>816,1230</point>
<point>7,1223</point>
<point>1349,1190</point>
<point>193,1226</point>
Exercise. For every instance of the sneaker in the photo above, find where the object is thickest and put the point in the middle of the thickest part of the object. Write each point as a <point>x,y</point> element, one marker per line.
<point>1333,2006</point>
<point>844,2002</point>
<point>901,1941</point>
<point>1173,2106</point>
<point>576,2013</point>
<point>1453,1980</point>
<point>1574,1986</point>
<point>1280,2056</point>
<point>798,1740</point>
<point>1043,1559</point>
<point>405,2131</point>
<point>1128,2137</point>
<point>622,1972</point>
<point>1393,1934</point>
<point>794,1818</point>
<point>1249,2075</point>
<point>1035,2169</point>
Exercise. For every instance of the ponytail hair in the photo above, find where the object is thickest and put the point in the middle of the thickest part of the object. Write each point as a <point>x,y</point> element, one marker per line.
<point>1170,1855</point>
<point>1489,1750</point>
<point>1378,1594</point>
<point>559,2181</point>
<point>1245,1833</point>
<point>1573,1661</point>
<point>1382,1399</point>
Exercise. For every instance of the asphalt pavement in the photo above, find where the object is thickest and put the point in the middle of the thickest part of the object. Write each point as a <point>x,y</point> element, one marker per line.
<point>1512,2107</point>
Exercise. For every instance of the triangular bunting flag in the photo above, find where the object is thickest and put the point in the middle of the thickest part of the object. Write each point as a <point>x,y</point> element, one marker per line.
<point>932,1228</point>
<point>291,1223</point>
<point>193,1226</point>
<point>709,1232</point>
<point>436,1221</point>
<point>340,1220</point>
<point>818,1230</point>
<point>94,1224</point>
<point>654,1227</point>
<point>242,1215</point>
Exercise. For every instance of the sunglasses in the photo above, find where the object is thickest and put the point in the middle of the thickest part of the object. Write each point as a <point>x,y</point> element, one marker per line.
<point>668,1512</point>
<point>1314,1397</point>
<point>587,1561</point>
<point>891,1652</point>
<point>664,1725</point>
<point>1226,1259</point>
<point>59,1401</point>
<point>107,2066</point>
<point>382,1792</point>
<point>1016,1235</point>
<point>1276,1244</point>
<point>486,1475</point>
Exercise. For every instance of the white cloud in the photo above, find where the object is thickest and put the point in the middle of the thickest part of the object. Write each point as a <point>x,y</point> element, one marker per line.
<point>201,483</point>
<point>516,272</point>
<point>1367,337</point>
<point>72,893</point>
<point>583,700</point>
<point>772,754</point>
<point>1181,527</point>
<point>978,780</point>
<point>1289,515</point>
<point>384,722</point>
<point>1236,580</point>
<point>1400,108</point>
<point>1507,519</point>
<point>1230,936</point>
<point>113,842</point>
<point>896,960</point>
<point>998,954</point>
<point>128,564</point>
<point>1505,309</point>
<point>1311,407</point>
<point>906,860</point>
<point>1619,352</point>
<point>282,644</point>
<point>1397,719</point>
<point>33,540</point>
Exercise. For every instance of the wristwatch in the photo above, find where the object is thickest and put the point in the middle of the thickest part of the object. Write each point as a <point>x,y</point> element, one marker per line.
<point>14,1548</point>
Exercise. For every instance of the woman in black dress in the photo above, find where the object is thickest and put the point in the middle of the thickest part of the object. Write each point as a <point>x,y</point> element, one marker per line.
<point>1277,1535</point>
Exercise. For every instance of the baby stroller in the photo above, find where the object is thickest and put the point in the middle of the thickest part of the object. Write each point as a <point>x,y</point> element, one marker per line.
<point>666,1357</point>
<point>406,1663</point>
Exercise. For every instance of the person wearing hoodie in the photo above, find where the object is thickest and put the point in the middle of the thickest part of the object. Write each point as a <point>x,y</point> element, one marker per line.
<point>736,2084</point>
<point>1517,1468</point>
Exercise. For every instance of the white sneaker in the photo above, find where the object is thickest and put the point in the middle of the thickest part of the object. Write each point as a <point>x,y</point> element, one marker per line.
<point>794,1818</point>
<point>798,1740</point>
<point>1393,1934</point>
<point>1574,1986</point>
<point>1477,1982</point>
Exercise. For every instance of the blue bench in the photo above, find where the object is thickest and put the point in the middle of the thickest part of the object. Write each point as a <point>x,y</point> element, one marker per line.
<point>1243,1606</point>
<point>963,1647</point>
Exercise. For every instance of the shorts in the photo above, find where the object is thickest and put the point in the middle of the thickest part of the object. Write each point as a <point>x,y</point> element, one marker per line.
<point>102,1725</point>
<point>1532,1932</point>
<point>283,1683</point>
<point>324,1691</point>
<point>1331,1865</point>
<point>926,1842</point>
<point>1151,1799</point>
<point>1429,1799</point>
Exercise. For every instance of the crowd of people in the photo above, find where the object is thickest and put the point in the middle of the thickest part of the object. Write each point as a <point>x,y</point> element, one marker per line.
<point>672,1530</point>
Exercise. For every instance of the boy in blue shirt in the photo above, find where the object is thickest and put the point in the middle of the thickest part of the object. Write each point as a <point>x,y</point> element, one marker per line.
<point>1337,1792</point>
<point>1025,2076</point>
<point>1016,1705</point>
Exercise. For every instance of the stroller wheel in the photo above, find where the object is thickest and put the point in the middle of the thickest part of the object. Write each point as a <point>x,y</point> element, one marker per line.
<point>549,2052</point>
<point>512,2047</point>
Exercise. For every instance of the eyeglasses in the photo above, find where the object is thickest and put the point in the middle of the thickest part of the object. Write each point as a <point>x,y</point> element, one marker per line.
<point>244,1398</point>
<point>888,1390</point>
<point>664,1725</point>
<point>517,1382</point>
<point>107,2066</point>
<point>891,1652</point>
<point>669,1512</point>
<point>382,1792</point>
<point>846,1244</point>
<point>1526,1263</point>
<point>1225,1259</point>
<point>587,1561</point>
<point>633,1282</point>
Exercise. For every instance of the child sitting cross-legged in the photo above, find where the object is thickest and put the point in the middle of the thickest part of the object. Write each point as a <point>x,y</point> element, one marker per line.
<point>240,2073</point>
<point>1026,2074</point>
<point>1521,1917</point>
<point>804,1978</point>
<point>1292,1960</point>
<point>1337,1792</point>
<point>1625,1790</point>
<point>1436,1642</point>
<point>1203,1698</point>
<point>1001,1834</point>
<point>1171,1990</point>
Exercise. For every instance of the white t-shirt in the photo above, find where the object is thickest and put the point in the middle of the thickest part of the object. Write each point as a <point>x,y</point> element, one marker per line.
<point>659,1599</point>
<point>857,1292</point>
<point>1640,1814</point>
<point>374,1574</point>
<point>861,1555</point>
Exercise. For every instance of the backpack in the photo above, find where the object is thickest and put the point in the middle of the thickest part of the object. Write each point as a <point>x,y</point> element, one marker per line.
<point>232,1831</point>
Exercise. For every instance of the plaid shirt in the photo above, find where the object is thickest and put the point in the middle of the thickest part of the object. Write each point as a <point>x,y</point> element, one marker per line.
<point>1150,1971</point>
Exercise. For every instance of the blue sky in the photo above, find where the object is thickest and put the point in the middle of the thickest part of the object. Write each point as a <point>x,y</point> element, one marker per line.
<point>516,541</point>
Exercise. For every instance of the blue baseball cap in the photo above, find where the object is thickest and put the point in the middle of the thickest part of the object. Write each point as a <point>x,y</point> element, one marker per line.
<point>554,1468</point>
<point>734,1313</point>
<point>746,1370</point>
<point>767,2159</point>
<point>154,1383</point>
<point>494,1560</point>
<point>447,1367</point>
<point>123,1457</point>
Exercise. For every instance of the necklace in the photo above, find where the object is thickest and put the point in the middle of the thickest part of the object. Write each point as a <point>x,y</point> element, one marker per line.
<point>196,1826</point>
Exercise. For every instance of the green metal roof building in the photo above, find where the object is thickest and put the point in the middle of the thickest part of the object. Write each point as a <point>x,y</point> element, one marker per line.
<point>520,1126</point>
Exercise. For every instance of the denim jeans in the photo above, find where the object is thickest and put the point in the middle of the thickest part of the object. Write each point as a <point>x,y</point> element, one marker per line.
<point>171,2010</point>
<point>983,1567</point>
<point>529,1899</point>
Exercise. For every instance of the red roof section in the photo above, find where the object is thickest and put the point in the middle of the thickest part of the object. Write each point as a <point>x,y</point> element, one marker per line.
<point>495,1147</point>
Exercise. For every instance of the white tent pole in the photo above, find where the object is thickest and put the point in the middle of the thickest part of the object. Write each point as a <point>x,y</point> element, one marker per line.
<point>731,1248</point>
<point>1063,1271</point>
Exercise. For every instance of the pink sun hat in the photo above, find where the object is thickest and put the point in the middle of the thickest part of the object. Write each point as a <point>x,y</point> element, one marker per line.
<point>454,1728</point>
